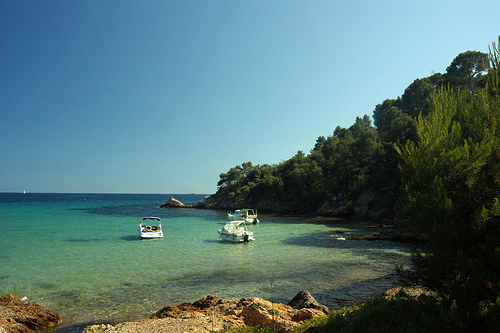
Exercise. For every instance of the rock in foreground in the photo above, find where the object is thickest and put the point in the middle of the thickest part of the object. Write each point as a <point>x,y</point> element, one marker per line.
<point>250,312</point>
<point>214,313</point>
<point>304,300</point>
<point>18,316</point>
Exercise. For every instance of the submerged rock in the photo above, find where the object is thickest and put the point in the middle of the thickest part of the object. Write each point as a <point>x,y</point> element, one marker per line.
<point>18,316</point>
<point>392,236</point>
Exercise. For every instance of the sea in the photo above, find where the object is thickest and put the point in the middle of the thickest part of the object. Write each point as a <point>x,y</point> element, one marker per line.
<point>81,256</point>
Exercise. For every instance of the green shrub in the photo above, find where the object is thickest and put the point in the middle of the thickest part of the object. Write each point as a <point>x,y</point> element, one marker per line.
<point>396,315</point>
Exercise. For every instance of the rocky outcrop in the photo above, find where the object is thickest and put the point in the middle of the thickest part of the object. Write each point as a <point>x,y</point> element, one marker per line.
<point>18,316</point>
<point>304,300</point>
<point>173,203</point>
<point>205,203</point>
<point>231,313</point>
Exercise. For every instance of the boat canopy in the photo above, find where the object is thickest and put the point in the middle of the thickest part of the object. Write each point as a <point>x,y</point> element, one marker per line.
<point>151,218</point>
<point>234,223</point>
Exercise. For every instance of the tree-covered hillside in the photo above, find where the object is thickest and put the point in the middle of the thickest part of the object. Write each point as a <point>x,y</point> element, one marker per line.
<point>354,172</point>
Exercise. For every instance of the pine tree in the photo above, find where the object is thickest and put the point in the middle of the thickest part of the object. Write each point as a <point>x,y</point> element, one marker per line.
<point>451,199</point>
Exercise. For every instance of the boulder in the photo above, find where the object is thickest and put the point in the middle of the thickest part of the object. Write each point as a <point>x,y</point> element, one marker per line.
<point>263,313</point>
<point>18,316</point>
<point>304,300</point>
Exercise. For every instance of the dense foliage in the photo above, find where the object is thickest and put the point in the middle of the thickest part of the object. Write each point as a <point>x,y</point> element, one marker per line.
<point>353,172</point>
<point>451,178</point>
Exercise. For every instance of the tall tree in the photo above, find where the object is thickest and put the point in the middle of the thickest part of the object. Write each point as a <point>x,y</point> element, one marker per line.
<point>466,70</point>
<point>493,83</point>
<point>415,97</point>
<point>450,200</point>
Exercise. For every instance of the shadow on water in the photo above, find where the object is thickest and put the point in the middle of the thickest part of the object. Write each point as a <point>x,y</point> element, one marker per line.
<point>212,241</point>
<point>87,240</point>
<point>131,238</point>
<point>336,240</point>
<point>103,240</point>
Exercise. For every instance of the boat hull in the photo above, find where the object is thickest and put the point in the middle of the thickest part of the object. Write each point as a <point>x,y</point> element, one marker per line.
<point>150,234</point>
<point>150,231</point>
<point>247,215</point>
<point>236,237</point>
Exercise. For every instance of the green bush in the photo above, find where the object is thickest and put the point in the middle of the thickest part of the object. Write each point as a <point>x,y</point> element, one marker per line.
<point>396,315</point>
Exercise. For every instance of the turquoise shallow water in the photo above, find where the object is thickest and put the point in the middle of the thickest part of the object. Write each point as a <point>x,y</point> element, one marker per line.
<point>80,255</point>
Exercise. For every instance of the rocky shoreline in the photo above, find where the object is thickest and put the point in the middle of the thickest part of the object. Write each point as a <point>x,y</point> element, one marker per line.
<point>207,314</point>
<point>214,313</point>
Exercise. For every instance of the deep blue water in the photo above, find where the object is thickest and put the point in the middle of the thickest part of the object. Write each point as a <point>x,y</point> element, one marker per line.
<point>80,255</point>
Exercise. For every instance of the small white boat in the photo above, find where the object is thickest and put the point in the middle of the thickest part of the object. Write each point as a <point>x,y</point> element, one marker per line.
<point>248,215</point>
<point>235,231</point>
<point>150,231</point>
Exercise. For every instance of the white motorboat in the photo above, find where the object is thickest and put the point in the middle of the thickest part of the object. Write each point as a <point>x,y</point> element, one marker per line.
<point>152,230</point>
<point>235,231</point>
<point>248,215</point>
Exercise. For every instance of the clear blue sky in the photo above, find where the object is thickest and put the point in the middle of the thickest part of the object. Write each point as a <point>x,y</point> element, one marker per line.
<point>162,96</point>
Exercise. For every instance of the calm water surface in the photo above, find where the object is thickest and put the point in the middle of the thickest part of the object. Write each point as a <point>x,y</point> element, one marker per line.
<point>80,255</point>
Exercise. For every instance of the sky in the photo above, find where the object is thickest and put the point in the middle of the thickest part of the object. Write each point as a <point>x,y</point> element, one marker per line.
<point>138,96</point>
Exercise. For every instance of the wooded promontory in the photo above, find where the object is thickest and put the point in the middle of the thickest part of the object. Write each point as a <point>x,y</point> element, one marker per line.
<point>353,172</point>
